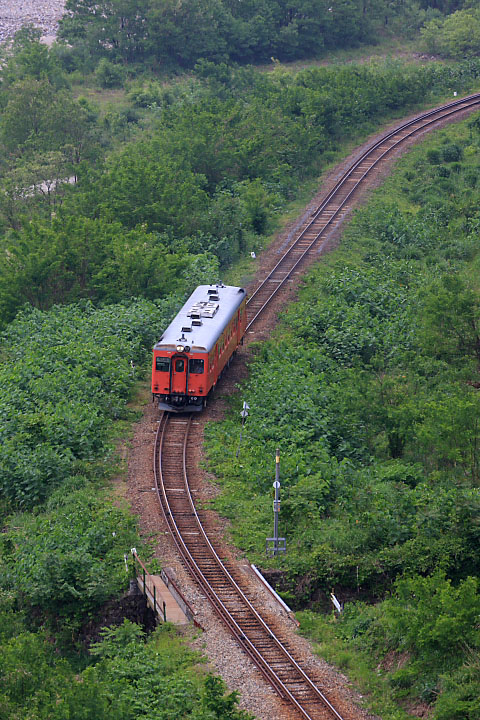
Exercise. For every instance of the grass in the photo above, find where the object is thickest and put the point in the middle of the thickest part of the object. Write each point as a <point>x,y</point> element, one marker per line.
<point>107,99</point>
<point>375,689</point>
<point>387,47</point>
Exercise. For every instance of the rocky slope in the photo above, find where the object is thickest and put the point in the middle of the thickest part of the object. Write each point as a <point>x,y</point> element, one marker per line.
<point>44,14</point>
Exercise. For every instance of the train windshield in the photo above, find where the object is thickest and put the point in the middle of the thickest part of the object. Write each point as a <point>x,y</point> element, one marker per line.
<point>196,366</point>
<point>162,364</point>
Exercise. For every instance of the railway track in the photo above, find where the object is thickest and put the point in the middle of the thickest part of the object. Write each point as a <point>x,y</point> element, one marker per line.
<point>221,581</point>
<point>332,210</point>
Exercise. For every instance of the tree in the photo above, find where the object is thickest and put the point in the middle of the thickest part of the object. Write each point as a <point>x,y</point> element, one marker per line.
<point>39,118</point>
<point>451,319</point>
<point>434,619</point>
<point>183,33</point>
<point>39,180</point>
<point>27,113</point>
<point>144,186</point>
<point>26,57</point>
<point>115,28</point>
<point>457,36</point>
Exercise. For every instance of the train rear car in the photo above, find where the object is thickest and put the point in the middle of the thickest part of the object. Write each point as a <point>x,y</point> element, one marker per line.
<point>192,352</point>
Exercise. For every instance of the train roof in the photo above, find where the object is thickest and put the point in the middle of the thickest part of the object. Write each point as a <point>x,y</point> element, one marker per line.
<point>203,318</point>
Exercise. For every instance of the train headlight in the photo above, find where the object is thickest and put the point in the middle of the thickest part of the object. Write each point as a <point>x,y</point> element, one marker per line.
<point>180,348</point>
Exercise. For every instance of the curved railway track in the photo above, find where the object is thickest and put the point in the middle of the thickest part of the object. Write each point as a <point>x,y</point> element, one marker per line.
<point>333,208</point>
<point>219,579</point>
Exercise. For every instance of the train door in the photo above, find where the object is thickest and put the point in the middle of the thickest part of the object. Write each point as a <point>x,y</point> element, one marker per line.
<point>179,375</point>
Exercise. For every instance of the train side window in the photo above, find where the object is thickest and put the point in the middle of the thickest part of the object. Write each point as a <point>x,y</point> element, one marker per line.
<point>196,366</point>
<point>179,365</point>
<point>162,364</point>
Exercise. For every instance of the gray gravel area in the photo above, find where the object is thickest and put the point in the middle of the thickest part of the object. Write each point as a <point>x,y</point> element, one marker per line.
<point>44,14</point>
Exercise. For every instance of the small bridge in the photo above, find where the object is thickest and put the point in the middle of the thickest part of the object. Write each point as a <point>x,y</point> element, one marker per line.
<point>162,594</point>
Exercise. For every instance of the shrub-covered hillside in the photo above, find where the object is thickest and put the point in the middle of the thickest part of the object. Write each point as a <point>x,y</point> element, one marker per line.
<point>138,188</point>
<point>180,184</point>
<point>65,376</point>
<point>168,36</point>
<point>370,388</point>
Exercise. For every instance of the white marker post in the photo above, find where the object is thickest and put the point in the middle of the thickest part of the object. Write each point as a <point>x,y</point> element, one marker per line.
<point>336,604</point>
<point>244,414</point>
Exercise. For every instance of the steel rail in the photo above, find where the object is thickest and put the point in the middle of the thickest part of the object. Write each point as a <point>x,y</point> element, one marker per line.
<point>398,135</point>
<point>426,119</point>
<point>225,614</point>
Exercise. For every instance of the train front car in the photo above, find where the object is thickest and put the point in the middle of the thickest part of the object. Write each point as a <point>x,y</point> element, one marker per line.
<point>196,346</point>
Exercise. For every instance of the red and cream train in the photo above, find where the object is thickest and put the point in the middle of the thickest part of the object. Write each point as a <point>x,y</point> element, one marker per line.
<point>197,345</point>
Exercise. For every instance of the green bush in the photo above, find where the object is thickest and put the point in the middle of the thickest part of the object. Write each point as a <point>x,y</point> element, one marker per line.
<point>68,560</point>
<point>459,697</point>
<point>452,153</point>
<point>434,156</point>
<point>65,374</point>
<point>109,75</point>
<point>129,677</point>
<point>455,36</point>
<point>369,389</point>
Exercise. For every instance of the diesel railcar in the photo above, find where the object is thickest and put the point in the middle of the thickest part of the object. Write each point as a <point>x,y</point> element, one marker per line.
<point>197,345</point>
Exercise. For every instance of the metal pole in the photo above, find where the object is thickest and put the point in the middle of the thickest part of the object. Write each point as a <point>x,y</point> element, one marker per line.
<point>144,584</point>
<point>164,611</point>
<point>279,544</point>
<point>154,599</point>
<point>276,501</point>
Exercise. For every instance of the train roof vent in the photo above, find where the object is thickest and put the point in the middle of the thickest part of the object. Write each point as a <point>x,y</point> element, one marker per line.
<point>196,323</point>
<point>187,328</point>
<point>203,308</point>
<point>209,309</point>
<point>213,291</point>
<point>214,298</point>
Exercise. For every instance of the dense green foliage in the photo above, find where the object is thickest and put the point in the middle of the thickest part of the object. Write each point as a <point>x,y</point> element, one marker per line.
<point>99,205</point>
<point>194,186</point>
<point>455,36</point>
<point>167,36</point>
<point>370,390</point>
<point>64,375</point>
<point>129,679</point>
<point>68,560</point>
